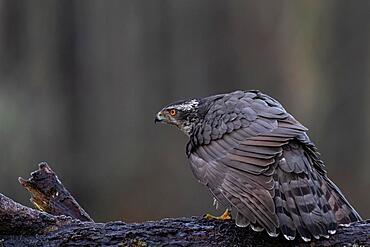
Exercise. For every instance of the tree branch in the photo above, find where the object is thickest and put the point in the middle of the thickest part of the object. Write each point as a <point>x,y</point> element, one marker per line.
<point>16,219</point>
<point>48,194</point>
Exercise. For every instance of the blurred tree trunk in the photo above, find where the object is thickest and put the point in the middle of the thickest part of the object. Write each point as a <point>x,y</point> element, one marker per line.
<point>81,80</point>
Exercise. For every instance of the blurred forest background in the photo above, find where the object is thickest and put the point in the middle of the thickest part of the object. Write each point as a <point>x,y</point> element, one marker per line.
<point>81,81</point>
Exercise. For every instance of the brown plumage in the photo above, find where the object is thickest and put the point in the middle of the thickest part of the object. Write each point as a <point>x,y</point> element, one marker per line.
<point>258,160</point>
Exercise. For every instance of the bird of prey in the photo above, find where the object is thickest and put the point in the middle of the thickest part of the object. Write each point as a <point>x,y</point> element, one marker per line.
<point>257,159</point>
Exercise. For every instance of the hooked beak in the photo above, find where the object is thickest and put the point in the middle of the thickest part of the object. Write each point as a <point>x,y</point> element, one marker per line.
<point>159,117</point>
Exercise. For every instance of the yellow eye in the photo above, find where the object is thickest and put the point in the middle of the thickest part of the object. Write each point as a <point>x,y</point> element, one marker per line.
<point>173,112</point>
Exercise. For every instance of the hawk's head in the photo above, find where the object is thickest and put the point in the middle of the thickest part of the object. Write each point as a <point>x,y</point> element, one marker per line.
<point>183,114</point>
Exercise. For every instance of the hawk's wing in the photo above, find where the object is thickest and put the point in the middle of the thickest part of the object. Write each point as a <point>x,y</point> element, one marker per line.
<point>249,154</point>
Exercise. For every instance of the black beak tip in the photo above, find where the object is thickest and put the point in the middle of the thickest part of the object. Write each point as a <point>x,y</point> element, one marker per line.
<point>157,120</point>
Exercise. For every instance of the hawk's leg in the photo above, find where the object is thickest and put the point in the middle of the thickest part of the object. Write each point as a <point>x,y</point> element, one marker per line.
<point>225,216</point>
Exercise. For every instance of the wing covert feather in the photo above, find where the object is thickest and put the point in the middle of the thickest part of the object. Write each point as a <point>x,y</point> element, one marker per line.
<point>240,163</point>
<point>258,159</point>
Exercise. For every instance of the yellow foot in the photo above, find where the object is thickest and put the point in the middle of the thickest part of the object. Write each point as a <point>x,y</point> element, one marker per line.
<point>225,216</point>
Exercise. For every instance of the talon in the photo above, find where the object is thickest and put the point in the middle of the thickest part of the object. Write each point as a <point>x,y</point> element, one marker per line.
<point>225,216</point>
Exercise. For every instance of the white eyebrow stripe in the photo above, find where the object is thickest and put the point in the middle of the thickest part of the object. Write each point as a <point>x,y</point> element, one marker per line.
<point>187,105</point>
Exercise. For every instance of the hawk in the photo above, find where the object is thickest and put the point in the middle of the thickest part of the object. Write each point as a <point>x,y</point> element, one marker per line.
<point>257,159</point>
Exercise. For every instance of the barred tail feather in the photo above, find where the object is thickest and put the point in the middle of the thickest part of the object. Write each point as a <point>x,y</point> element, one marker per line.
<point>288,212</point>
<point>344,213</point>
<point>306,201</point>
<point>285,219</point>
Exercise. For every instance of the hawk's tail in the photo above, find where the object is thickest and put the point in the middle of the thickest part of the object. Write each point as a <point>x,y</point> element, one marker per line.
<point>343,211</point>
<point>306,201</point>
<point>310,206</point>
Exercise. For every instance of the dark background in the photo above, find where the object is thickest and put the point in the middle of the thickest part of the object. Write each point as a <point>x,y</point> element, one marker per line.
<point>81,81</point>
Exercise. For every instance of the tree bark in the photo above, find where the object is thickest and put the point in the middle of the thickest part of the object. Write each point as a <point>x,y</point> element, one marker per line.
<point>16,219</point>
<point>48,194</point>
<point>23,226</point>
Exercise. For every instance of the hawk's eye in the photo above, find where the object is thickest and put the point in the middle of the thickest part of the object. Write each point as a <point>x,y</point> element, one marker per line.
<point>173,112</point>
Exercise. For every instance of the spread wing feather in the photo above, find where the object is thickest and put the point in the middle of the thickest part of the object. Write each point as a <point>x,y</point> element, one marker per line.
<point>261,162</point>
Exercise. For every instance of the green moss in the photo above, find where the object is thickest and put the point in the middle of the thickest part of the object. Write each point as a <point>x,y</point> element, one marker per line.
<point>134,243</point>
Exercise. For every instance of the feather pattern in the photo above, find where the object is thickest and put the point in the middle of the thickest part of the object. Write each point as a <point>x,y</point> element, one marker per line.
<point>256,158</point>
